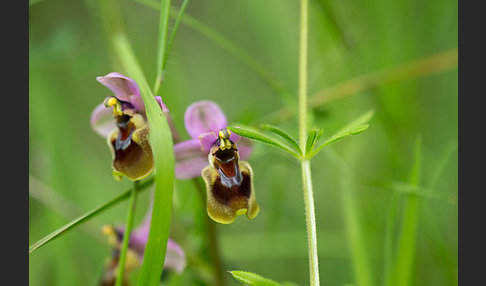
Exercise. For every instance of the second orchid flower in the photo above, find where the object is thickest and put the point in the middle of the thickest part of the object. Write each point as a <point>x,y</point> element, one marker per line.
<point>212,153</point>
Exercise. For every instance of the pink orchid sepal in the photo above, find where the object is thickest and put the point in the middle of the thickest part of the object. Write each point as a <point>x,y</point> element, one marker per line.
<point>213,154</point>
<point>122,120</point>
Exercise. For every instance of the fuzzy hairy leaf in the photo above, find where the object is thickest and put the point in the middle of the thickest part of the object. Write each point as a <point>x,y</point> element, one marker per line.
<point>252,279</point>
<point>356,127</point>
<point>312,138</point>
<point>257,136</point>
<point>284,135</point>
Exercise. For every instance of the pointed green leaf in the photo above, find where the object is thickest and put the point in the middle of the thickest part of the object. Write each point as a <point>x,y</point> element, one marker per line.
<point>312,137</point>
<point>356,127</point>
<point>87,216</point>
<point>284,135</point>
<point>252,279</point>
<point>161,137</point>
<point>257,136</point>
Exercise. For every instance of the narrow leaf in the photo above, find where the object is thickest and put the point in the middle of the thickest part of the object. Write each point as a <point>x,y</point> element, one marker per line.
<point>87,216</point>
<point>252,279</point>
<point>161,137</point>
<point>163,24</point>
<point>284,135</point>
<point>406,249</point>
<point>257,136</point>
<point>356,127</point>
<point>312,137</point>
<point>172,35</point>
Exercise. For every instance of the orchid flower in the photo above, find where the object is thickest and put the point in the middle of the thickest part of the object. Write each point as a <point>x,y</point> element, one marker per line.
<point>123,121</point>
<point>175,258</point>
<point>212,154</point>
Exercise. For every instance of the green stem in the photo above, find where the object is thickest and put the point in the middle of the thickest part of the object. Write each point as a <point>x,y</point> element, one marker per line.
<point>87,216</point>
<point>126,235</point>
<point>303,73</point>
<point>163,23</point>
<point>403,270</point>
<point>172,35</point>
<point>310,222</point>
<point>305,164</point>
<point>389,231</point>
<point>212,238</point>
<point>354,232</point>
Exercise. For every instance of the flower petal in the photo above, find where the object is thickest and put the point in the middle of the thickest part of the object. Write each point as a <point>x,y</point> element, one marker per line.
<point>125,89</point>
<point>203,117</point>
<point>161,104</point>
<point>225,204</point>
<point>190,159</point>
<point>175,258</point>
<point>207,140</point>
<point>102,120</point>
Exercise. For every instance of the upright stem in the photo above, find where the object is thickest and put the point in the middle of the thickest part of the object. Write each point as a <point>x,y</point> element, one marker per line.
<point>303,73</point>
<point>126,235</point>
<point>305,164</point>
<point>164,19</point>
<point>310,222</point>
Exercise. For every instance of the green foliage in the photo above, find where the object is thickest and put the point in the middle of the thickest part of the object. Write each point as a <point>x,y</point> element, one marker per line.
<point>253,279</point>
<point>356,127</point>
<point>87,216</point>
<point>369,54</point>
<point>251,133</point>
<point>284,135</point>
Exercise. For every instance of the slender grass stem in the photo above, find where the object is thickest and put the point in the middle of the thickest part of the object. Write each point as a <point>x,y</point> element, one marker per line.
<point>390,227</point>
<point>403,271</point>
<point>163,24</point>
<point>170,42</point>
<point>436,63</point>
<point>243,56</point>
<point>354,232</point>
<point>126,235</point>
<point>87,216</point>
<point>212,238</point>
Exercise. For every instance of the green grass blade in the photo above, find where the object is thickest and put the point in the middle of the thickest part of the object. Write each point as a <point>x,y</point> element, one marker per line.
<point>161,137</point>
<point>353,225</point>
<point>389,238</point>
<point>284,135</point>
<point>170,42</point>
<point>163,24</point>
<point>403,269</point>
<point>252,279</point>
<point>257,136</point>
<point>87,216</point>
<point>126,235</point>
<point>436,63</point>
<point>356,127</point>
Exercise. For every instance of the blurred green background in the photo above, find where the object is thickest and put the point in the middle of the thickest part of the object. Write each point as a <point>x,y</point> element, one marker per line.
<point>69,164</point>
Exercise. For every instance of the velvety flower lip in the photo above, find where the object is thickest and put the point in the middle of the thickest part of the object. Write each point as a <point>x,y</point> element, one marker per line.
<point>122,120</point>
<point>229,182</point>
<point>203,120</point>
